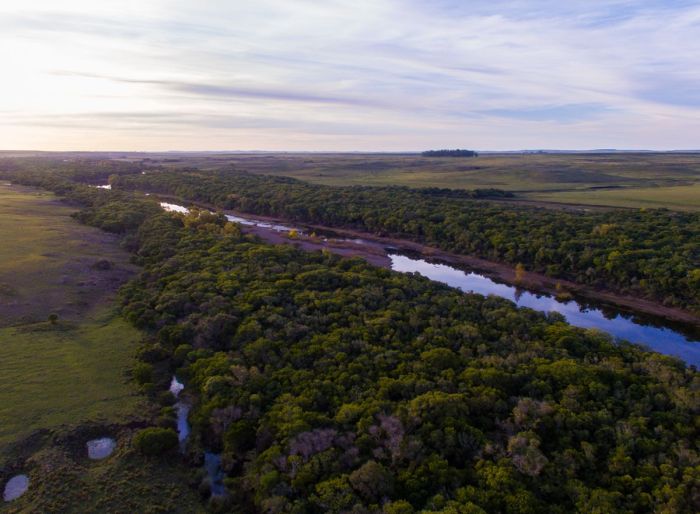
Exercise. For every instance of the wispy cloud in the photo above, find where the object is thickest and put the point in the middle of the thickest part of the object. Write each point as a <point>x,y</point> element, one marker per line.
<point>361,74</point>
<point>560,113</point>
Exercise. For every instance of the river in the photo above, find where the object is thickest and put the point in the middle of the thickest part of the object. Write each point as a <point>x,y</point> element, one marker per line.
<point>620,325</point>
<point>661,337</point>
<point>212,461</point>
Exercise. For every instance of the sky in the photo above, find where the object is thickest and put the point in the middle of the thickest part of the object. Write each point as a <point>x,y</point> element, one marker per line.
<point>349,75</point>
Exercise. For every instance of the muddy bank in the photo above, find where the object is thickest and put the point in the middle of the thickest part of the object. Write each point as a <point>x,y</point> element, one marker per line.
<point>533,281</point>
<point>372,252</point>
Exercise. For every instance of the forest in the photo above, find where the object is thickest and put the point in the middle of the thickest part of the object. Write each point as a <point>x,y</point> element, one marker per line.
<point>449,153</point>
<point>654,254</point>
<point>329,385</point>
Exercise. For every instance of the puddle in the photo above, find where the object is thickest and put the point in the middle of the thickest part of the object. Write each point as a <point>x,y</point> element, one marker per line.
<point>15,487</point>
<point>101,448</point>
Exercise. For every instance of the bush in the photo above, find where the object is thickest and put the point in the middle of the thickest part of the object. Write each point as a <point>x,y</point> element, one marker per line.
<point>103,265</point>
<point>143,373</point>
<point>155,441</point>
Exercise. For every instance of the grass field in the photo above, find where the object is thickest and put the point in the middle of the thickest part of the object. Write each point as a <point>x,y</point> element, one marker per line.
<point>63,480</point>
<point>673,197</point>
<point>642,179</point>
<point>616,179</point>
<point>56,374</point>
<point>64,383</point>
<point>76,369</point>
<point>47,260</point>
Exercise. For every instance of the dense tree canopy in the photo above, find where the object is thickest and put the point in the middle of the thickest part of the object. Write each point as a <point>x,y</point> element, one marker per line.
<point>649,253</point>
<point>449,153</point>
<point>329,385</point>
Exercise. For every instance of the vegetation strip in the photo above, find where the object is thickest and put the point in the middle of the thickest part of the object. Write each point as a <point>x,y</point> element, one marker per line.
<point>653,255</point>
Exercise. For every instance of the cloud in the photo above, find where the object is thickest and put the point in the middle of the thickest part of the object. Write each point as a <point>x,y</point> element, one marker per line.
<point>560,113</point>
<point>368,73</point>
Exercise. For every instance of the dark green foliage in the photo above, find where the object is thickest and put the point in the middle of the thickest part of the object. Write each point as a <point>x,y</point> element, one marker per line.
<point>155,440</point>
<point>449,153</point>
<point>653,254</point>
<point>143,373</point>
<point>334,385</point>
<point>330,385</point>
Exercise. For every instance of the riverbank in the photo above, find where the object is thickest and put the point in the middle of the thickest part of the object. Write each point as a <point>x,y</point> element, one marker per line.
<point>373,249</point>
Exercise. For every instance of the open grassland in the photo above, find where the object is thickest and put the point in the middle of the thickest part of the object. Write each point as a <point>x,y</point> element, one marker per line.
<point>64,383</point>
<point>63,479</point>
<point>685,198</point>
<point>617,179</point>
<point>57,374</point>
<point>75,369</point>
<point>49,263</point>
<point>642,179</point>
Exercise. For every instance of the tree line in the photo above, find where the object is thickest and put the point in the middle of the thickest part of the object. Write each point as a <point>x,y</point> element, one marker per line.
<point>449,153</point>
<point>653,254</point>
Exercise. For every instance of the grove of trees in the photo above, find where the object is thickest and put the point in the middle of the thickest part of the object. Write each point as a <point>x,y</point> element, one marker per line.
<point>653,254</point>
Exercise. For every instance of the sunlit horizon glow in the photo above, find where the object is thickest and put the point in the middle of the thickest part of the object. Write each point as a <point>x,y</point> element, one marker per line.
<point>339,75</point>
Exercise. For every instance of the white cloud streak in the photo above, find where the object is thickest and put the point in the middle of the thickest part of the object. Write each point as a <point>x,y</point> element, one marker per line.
<point>349,75</point>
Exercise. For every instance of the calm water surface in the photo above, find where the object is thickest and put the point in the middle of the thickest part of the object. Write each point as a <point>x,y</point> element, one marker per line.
<point>182,410</point>
<point>212,465</point>
<point>15,487</point>
<point>662,340</point>
<point>102,448</point>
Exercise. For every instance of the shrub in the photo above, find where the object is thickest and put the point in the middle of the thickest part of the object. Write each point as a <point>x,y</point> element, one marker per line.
<point>155,441</point>
<point>143,373</point>
<point>103,265</point>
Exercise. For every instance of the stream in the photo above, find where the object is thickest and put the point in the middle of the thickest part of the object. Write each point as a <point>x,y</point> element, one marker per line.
<point>212,461</point>
<point>657,336</point>
<point>182,410</point>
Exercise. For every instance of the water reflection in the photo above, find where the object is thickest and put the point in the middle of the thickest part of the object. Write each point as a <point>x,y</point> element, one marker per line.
<point>212,465</point>
<point>102,448</point>
<point>15,487</point>
<point>171,207</point>
<point>262,224</point>
<point>249,222</point>
<point>662,340</point>
<point>182,410</point>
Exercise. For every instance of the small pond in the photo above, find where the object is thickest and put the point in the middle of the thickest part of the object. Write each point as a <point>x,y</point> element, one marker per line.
<point>101,448</point>
<point>212,465</point>
<point>15,487</point>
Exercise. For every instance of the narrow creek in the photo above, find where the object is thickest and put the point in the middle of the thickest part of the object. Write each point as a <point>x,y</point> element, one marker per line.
<point>212,461</point>
<point>658,336</point>
<point>182,410</point>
